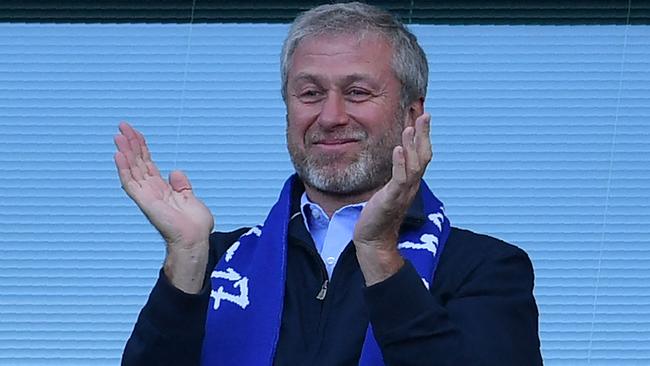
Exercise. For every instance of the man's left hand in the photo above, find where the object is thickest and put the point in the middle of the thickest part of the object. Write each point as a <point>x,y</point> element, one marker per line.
<point>377,231</point>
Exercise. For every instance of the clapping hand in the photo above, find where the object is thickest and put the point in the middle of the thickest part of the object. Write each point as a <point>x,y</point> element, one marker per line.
<point>377,231</point>
<point>184,222</point>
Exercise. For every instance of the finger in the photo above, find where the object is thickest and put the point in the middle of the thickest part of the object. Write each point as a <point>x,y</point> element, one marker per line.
<point>398,179</point>
<point>122,144</point>
<point>146,156</point>
<point>412,162</point>
<point>179,182</point>
<point>143,168</point>
<point>132,135</point>
<point>151,172</point>
<point>152,169</point>
<point>125,148</point>
<point>423,139</point>
<point>124,172</point>
<point>136,146</point>
<point>129,144</point>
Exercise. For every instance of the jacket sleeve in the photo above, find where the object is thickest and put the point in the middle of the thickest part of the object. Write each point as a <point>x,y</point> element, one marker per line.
<point>170,328</point>
<point>489,318</point>
<point>171,325</point>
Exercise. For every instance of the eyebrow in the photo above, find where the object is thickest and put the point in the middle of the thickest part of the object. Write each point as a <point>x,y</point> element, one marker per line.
<point>303,76</point>
<point>348,79</point>
<point>359,77</point>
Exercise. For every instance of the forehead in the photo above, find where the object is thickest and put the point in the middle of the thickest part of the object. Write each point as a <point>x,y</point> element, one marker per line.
<point>342,55</point>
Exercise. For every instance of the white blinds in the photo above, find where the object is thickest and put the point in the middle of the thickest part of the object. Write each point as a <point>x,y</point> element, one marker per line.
<point>542,138</point>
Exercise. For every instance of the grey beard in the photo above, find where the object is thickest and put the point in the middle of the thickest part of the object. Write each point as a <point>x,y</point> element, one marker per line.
<point>371,170</point>
<point>362,175</point>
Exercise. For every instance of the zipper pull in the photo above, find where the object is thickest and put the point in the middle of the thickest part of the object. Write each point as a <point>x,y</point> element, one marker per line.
<point>322,292</point>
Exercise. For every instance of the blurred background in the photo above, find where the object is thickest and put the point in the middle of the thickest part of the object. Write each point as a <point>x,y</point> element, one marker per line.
<point>540,126</point>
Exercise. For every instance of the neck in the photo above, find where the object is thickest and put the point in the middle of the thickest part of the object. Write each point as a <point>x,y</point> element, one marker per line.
<point>331,202</point>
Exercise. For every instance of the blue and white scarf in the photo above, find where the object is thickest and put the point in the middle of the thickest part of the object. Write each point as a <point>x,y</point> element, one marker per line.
<point>245,309</point>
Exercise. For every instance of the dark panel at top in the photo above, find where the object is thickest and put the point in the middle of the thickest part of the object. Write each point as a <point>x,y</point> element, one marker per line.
<point>275,11</point>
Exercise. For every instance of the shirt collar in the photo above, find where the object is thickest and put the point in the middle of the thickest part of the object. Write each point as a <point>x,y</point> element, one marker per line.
<point>314,215</point>
<point>415,215</point>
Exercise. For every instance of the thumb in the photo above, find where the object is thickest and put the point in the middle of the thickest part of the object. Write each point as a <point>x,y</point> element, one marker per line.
<point>179,182</point>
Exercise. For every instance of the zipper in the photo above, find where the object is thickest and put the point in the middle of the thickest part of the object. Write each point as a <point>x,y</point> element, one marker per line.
<point>323,291</point>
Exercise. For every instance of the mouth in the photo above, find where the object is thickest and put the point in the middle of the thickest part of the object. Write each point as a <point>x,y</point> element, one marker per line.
<point>335,142</point>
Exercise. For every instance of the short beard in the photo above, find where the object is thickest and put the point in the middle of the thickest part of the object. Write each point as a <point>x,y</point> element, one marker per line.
<point>371,170</point>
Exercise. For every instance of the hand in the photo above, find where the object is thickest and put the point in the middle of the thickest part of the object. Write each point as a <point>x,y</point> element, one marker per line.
<point>377,230</point>
<point>184,222</point>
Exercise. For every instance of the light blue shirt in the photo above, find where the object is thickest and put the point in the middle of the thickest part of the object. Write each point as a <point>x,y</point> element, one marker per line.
<point>331,235</point>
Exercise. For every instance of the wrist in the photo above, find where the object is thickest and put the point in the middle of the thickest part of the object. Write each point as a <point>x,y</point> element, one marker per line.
<point>378,264</point>
<point>185,266</point>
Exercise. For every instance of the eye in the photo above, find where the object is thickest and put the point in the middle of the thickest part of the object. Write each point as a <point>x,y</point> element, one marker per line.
<point>358,94</point>
<point>310,95</point>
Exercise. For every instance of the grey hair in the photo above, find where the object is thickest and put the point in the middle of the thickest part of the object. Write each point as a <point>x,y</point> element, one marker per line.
<point>409,62</point>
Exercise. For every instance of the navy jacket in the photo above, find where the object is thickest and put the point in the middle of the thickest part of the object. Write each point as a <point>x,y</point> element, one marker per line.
<point>480,309</point>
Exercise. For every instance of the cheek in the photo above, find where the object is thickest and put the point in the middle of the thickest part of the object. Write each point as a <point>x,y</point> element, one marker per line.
<point>299,120</point>
<point>372,117</point>
<point>302,113</point>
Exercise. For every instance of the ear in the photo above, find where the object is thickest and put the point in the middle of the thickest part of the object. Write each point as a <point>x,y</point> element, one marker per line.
<point>413,111</point>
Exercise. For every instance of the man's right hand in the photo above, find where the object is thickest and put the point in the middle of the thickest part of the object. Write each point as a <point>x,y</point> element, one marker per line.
<point>184,222</point>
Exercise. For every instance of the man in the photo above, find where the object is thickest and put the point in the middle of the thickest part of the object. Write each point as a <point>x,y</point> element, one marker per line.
<point>356,264</point>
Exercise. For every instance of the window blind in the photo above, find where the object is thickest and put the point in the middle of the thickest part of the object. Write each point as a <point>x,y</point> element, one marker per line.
<point>541,138</point>
<point>283,11</point>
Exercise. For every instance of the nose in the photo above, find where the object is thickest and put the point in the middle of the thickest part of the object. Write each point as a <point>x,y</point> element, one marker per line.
<point>333,112</point>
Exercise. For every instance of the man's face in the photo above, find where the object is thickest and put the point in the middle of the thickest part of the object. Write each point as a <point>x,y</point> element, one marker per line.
<point>343,113</point>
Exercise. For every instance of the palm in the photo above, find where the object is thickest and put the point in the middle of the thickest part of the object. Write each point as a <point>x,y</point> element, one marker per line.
<point>171,206</point>
<point>179,216</point>
<point>377,218</point>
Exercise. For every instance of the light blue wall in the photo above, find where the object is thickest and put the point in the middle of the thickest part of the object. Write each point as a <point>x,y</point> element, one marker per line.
<point>541,137</point>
